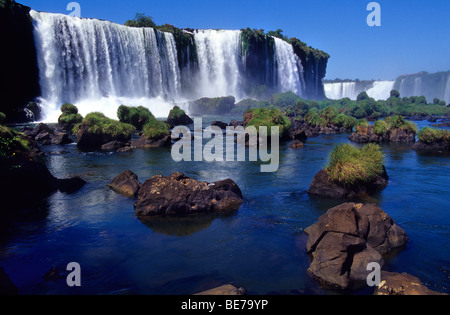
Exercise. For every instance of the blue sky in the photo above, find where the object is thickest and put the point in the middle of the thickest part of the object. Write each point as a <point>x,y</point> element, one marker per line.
<point>414,35</point>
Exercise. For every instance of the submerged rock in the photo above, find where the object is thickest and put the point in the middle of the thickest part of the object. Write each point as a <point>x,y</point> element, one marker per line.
<point>323,186</point>
<point>178,194</point>
<point>346,239</point>
<point>126,183</point>
<point>435,146</point>
<point>402,284</point>
<point>227,290</point>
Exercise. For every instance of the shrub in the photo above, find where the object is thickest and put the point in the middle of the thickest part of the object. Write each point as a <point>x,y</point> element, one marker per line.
<point>11,141</point>
<point>141,20</point>
<point>98,123</point>
<point>345,121</point>
<point>349,165</point>
<point>270,117</point>
<point>136,116</point>
<point>362,126</point>
<point>395,93</point>
<point>432,135</point>
<point>155,129</point>
<point>69,109</point>
<point>380,127</point>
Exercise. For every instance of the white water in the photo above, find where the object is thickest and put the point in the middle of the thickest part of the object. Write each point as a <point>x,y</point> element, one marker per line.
<point>337,91</point>
<point>290,69</point>
<point>447,91</point>
<point>381,90</point>
<point>98,65</point>
<point>219,63</point>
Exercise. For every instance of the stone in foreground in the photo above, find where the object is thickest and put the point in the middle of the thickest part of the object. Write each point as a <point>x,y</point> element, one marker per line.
<point>225,290</point>
<point>178,194</point>
<point>402,284</point>
<point>126,183</point>
<point>346,239</point>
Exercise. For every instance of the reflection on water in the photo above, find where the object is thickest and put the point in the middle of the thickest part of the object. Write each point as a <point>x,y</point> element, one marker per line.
<point>261,247</point>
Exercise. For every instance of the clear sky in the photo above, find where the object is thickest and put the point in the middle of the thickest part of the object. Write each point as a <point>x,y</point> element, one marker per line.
<point>414,35</point>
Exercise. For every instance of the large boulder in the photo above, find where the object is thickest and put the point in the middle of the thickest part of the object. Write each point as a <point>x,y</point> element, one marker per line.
<point>178,117</point>
<point>346,239</point>
<point>402,284</point>
<point>126,183</point>
<point>225,290</point>
<point>212,106</point>
<point>324,187</point>
<point>7,287</point>
<point>178,194</point>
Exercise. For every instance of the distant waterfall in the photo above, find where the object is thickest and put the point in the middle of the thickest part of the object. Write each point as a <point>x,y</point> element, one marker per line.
<point>447,91</point>
<point>337,91</point>
<point>381,90</point>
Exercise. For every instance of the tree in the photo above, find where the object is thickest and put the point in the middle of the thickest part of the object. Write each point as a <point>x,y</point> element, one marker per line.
<point>141,20</point>
<point>395,93</point>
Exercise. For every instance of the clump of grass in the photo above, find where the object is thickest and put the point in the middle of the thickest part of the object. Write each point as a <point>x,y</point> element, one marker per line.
<point>155,129</point>
<point>349,165</point>
<point>362,126</point>
<point>398,122</point>
<point>432,135</point>
<point>270,117</point>
<point>98,123</point>
<point>380,127</point>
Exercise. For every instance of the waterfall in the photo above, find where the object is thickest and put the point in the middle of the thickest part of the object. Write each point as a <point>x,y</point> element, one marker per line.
<point>381,90</point>
<point>220,61</point>
<point>337,91</point>
<point>290,69</point>
<point>447,91</point>
<point>98,65</point>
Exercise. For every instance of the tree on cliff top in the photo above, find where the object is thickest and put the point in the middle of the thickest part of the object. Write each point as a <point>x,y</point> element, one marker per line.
<point>141,20</point>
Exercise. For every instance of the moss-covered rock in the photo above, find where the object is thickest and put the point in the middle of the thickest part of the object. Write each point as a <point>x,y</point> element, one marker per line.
<point>178,117</point>
<point>69,117</point>
<point>136,116</point>
<point>268,117</point>
<point>212,106</point>
<point>97,130</point>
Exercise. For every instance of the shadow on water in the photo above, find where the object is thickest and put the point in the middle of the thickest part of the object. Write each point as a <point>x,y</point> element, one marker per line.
<point>180,226</point>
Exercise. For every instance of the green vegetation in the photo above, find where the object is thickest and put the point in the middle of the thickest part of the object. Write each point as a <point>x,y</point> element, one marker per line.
<point>141,20</point>
<point>176,113</point>
<point>156,130</point>
<point>136,116</point>
<point>349,165</point>
<point>2,118</point>
<point>98,123</point>
<point>270,117</point>
<point>10,142</point>
<point>212,106</point>
<point>431,135</point>
<point>69,116</point>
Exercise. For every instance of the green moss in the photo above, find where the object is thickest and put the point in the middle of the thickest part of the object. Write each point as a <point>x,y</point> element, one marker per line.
<point>11,141</point>
<point>2,118</point>
<point>176,113</point>
<point>98,123</point>
<point>380,127</point>
<point>349,165</point>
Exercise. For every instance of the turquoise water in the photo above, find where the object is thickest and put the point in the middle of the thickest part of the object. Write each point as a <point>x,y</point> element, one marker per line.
<point>261,247</point>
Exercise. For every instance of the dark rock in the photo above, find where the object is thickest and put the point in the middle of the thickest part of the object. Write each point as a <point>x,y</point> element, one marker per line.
<point>145,143</point>
<point>225,290</point>
<point>393,135</point>
<point>435,146</point>
<point>114,146</point>
<point>235,123</point>
<point>19,75</point>
<point>126,183</point>
<point>346,239</point>
<point>52,275</point>
<point>220,124</point>
<point>322,186</point>
<point>70,185</point>
<point>41,128</point>
<point>7,287</point>
<point>297,144</point>
<point>88,140</point>
<point>212,106</point>
<point>402,284</point>
<point>180,120</point>
<point>178,194</point>
<point>60,138</point>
